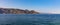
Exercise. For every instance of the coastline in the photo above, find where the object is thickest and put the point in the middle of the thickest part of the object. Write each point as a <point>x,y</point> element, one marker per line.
<point>16,11</point>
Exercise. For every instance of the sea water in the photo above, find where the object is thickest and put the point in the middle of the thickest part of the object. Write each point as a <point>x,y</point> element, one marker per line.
<point>29,19</point>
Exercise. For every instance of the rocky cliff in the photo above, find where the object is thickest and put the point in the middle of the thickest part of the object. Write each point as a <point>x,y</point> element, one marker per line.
<point>16,11</point>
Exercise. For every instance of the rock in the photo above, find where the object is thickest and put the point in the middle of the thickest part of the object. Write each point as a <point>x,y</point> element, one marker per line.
<point>16,11</point>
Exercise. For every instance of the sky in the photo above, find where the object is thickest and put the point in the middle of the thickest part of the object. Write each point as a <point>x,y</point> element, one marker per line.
<point>43,6</point>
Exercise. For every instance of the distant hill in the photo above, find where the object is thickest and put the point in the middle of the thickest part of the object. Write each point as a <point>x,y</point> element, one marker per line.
<point>16,11</point>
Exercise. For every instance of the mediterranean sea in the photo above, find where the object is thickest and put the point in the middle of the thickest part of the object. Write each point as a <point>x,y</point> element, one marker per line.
<point>29,19</point>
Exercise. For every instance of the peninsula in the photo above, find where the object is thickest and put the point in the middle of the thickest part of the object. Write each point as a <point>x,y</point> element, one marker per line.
<point>16,11</point>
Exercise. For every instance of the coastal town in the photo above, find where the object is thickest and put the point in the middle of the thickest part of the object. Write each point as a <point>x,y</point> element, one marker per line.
<point>16,11</point>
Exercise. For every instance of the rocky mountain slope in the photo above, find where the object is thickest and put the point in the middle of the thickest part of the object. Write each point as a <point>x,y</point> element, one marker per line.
<point>16,11</point>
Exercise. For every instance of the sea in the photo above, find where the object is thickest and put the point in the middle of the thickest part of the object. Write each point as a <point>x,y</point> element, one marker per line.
<point>29,19</point>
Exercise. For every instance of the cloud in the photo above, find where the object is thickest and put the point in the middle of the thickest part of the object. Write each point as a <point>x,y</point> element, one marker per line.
<point>54,11</point>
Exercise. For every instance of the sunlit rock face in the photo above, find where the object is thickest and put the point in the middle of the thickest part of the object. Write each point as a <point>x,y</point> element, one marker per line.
<point>16,11</point>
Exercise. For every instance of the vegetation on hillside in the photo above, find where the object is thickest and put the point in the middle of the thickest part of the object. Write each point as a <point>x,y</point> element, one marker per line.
<point>16,11</point>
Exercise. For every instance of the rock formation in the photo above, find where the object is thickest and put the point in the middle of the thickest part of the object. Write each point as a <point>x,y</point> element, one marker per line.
<point>16,11</point>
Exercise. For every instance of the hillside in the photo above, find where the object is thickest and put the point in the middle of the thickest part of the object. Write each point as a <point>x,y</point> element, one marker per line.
<point>16,11</point>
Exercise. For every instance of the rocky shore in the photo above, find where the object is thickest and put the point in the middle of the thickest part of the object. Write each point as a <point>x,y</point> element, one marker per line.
<point>16,11</point>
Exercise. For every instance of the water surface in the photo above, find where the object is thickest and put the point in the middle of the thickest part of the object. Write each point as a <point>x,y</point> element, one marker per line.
<point>29,19</point>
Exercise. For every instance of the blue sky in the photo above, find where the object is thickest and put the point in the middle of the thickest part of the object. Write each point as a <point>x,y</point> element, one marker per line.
<point>46,6</point>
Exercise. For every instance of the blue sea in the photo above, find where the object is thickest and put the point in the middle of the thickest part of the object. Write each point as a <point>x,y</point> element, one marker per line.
<point>29,19</point>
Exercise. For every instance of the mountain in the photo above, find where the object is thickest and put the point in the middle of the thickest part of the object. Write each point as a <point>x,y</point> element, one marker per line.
<point>16,11</point>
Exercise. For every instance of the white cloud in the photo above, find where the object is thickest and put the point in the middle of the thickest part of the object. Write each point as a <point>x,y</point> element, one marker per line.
<point>54,11</point>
